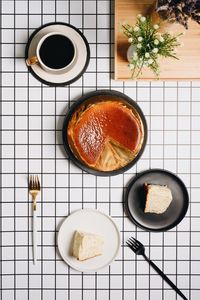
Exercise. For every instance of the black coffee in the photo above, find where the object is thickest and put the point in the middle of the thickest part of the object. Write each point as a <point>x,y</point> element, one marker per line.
<point>57,51</point>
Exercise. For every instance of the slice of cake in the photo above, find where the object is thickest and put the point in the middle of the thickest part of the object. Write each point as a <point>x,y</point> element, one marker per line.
<point>86,245</point>
<point>158,198</point>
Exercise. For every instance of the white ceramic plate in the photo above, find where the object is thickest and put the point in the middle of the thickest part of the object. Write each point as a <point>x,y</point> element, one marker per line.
<point>93,221</point>
<point>80,64</point>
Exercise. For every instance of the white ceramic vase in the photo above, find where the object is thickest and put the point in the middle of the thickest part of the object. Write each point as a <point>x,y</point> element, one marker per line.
<point>130,52</point>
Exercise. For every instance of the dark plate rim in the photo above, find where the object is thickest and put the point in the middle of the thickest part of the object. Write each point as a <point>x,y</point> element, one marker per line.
<point>139,175</point>
<point>71,110</point>
<point>52,84</point>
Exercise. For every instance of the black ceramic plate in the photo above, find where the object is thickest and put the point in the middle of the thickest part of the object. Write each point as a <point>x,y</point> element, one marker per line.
<point>115,96</point>
<point>135,200</point>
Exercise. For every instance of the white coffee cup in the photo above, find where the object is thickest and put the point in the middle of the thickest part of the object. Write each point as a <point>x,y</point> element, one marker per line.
<point>37,58</point>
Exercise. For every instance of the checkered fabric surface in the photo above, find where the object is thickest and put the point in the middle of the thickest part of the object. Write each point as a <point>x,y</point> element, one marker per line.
<point>32,118</point>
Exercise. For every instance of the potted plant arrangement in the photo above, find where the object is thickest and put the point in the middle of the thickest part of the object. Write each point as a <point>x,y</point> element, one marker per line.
<point>148,45</point>
<point>179,11</point>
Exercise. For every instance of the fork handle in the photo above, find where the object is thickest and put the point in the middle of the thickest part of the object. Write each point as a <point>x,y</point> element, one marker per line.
<point>34,236</point>
<point>164,277</point>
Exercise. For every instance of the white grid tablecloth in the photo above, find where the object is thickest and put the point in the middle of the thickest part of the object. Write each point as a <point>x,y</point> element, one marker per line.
<point>32,117</point>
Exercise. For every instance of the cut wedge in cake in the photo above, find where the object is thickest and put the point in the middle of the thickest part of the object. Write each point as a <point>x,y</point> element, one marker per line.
<point>105,135</point>
<point>86,245</point>
<point>158,198</point>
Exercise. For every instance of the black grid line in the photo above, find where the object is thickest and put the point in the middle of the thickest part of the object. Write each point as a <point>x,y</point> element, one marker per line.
<point>42,199</point>
<point>176,171</point>
<point>14,160</point>
<point>68,294</point>
<point>1,142</point>
<point>176,251</point>
<point>190,227</point>
<point>55,233</point>
<point>28,109</point>
<point>150,100</point>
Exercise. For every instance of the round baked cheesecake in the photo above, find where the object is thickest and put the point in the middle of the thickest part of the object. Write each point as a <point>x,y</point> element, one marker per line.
<point>105,135</point>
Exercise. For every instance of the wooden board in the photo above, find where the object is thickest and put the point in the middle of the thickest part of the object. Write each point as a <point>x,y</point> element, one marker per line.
<point>188,65</point>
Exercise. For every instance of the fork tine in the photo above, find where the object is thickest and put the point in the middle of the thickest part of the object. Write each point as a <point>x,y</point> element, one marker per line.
<point>132,247</point>
<point>133,241</point>
<point>38,183</point>
<point>136,242</point>
<point>131,244</point>
<point>34,182</point>
<point>30,182</point>
<point>128,243</point>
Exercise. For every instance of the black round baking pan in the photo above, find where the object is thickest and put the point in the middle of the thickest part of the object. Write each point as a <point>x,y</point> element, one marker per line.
<point>98,96</point>
<point>135,198</point>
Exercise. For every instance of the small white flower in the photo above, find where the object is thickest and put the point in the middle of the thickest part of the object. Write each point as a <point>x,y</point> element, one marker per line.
<point>130,40</point>
<point>155,50</point>
<point>140,39</point>
<point>147,55</point>
<point>161,39</point>
<point>150,61</point>
<point>142,19</point>
<point>135,58</point>
<point>139,15</point>
<point>139,46</point>
<point>156,26</point>
<point>156,42</point>
<point>135,54</point>
<point>136,28</point>
<point>131,66</point>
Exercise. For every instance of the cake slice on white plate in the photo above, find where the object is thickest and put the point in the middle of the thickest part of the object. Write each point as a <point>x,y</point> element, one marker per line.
<point>86,245</point>
<point>158,198</point>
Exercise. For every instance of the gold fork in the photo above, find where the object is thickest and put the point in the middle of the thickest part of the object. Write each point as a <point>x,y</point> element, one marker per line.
<point>34,189</point>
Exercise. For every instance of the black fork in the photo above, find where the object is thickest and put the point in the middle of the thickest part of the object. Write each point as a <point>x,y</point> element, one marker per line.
<point>139,249</point>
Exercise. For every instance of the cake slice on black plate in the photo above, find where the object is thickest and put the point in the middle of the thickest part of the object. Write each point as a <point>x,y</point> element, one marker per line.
<point>158,198</point>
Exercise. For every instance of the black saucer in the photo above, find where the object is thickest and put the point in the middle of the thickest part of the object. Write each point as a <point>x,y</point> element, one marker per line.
<point>135,200</point>
<point>80,64</point>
